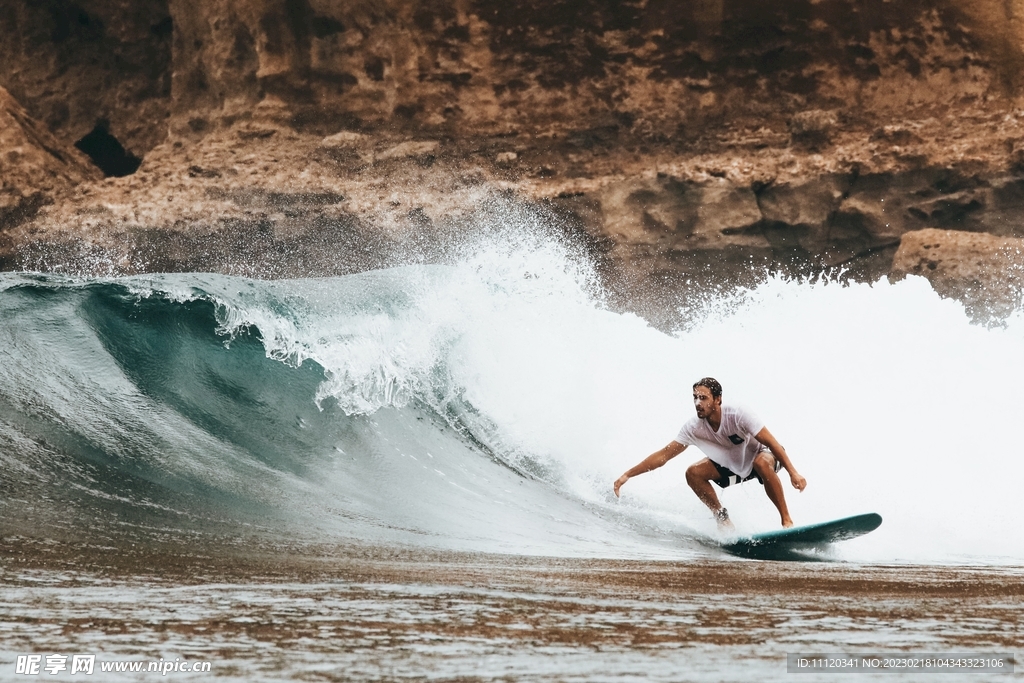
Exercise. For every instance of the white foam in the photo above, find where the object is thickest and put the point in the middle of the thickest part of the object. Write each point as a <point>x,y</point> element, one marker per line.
<point>886,396</point>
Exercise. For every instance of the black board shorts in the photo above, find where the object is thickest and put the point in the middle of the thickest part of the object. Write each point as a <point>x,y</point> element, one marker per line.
<point>727,477</point>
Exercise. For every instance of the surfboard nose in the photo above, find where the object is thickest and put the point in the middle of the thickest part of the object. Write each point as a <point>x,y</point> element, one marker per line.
<point>872,521</point>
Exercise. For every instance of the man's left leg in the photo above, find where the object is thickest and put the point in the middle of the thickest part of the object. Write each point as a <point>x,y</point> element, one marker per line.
<point>764,466</point>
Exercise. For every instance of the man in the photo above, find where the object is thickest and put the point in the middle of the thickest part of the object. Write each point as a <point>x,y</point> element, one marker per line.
<point>739,448</point>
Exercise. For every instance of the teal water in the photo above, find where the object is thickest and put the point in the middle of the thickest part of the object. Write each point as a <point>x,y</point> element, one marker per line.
<point>487,405</point>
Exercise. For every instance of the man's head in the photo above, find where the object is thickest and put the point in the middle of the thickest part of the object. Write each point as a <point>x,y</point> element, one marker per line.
<point>707,397</point>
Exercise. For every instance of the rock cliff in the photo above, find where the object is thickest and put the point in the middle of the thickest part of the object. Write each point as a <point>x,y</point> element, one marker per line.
<point>34,165</point>
<point>703,141</point>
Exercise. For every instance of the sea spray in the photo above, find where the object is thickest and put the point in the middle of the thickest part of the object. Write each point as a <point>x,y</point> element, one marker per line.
<point>489,402</point>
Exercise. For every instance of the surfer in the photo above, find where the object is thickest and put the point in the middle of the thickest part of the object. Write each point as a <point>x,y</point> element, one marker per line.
<point>739,446</point>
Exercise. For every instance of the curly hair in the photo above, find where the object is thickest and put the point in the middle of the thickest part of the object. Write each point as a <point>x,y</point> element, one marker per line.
<point>711,384</point>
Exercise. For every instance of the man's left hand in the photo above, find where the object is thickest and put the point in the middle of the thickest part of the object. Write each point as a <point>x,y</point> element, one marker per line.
<point>799,483</point>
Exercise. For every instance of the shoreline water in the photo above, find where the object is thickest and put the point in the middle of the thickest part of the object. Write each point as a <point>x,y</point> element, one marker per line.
<point>352,612</point>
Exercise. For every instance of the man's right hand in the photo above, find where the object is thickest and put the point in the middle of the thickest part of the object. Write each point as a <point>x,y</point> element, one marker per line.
<point>619,482</point>
<point>651,462</point>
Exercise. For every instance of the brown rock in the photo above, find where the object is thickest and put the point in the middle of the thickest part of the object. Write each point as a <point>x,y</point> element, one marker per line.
<point>656,69</point>
<point>1002,214</point>
<point>813,128</point>
<point>807,205</point>
<point>680,138</point>
<point>73,64</point>
<point>879,208</point>
<point>34,165</point>
<point>411,149</point>
<point>984,271</point>
<point>680,216</point>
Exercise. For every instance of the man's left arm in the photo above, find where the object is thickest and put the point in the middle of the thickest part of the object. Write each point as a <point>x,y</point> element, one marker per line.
<point>765,437</point>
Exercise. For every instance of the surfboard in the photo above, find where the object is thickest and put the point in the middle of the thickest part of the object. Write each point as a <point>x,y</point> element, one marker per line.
<point>795,542</point>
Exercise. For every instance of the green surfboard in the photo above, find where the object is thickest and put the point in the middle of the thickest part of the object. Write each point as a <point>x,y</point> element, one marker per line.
<point>795,542</point>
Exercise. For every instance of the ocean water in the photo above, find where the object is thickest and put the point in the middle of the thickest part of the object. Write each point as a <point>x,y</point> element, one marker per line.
<point>487,404</point>
<point>405,474</point>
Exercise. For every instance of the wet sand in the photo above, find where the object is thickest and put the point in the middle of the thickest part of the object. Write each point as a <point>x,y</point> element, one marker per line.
<point>344,613</point>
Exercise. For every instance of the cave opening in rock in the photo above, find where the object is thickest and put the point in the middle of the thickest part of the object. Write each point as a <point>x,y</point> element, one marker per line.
<point>106,152</point>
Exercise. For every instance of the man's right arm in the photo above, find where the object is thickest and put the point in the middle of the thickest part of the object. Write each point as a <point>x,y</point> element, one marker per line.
<point>651,462</point>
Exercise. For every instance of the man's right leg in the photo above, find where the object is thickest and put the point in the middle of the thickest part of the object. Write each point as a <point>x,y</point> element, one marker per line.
<point>699,476</point>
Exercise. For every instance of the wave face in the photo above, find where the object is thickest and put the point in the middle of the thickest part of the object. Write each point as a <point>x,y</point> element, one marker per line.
<point>488,404</point>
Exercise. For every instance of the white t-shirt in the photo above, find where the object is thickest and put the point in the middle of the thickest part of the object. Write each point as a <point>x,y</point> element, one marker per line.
<point>733,445</point>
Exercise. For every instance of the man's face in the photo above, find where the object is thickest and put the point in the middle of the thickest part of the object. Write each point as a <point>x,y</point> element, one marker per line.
<point>704,402</point>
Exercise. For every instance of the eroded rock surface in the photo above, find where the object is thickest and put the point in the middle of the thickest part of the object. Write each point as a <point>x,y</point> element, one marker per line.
<point>34,166</point>
<point>674,141</point>
<point>75,63</point>
<point>984,271</point>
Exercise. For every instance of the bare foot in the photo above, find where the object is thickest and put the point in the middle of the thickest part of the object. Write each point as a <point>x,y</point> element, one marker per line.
<point>786,523</point>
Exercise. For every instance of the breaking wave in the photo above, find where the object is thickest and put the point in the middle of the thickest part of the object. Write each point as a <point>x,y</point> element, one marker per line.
<point>488,404</point>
